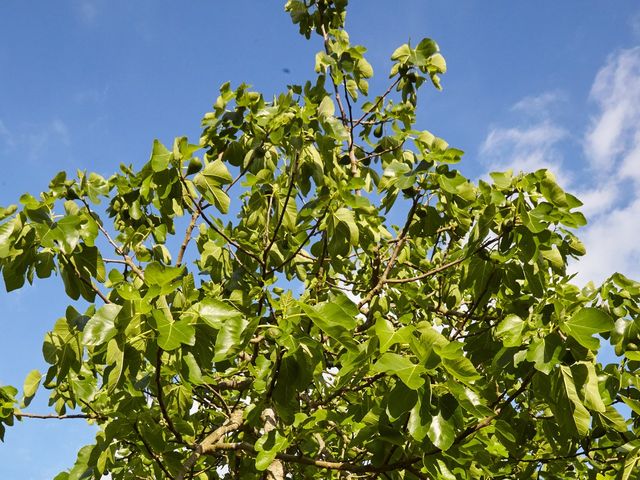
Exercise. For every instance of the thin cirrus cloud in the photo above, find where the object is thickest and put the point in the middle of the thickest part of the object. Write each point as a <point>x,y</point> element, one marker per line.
<point>609,186</point>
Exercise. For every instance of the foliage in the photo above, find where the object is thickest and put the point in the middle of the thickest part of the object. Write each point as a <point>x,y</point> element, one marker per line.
<point>308,337</point>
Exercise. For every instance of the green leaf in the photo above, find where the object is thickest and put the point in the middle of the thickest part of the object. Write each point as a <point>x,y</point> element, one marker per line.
<point>585,323</point>
<point>101,327</point>
<point>586,380</point>
<point>6,229</point>
<point>389,336</point>
<point>161,275</point>
<point>173,333</point>
<point>552,191</point>
<point>208,182</point>
<point>347,218</point>
<point>215,312</point>
<point>229,339</point>
<point>401,400</point>
<point>337,318</point>
<point>326,107</point>
<point>401,54</point>
<point>569,410</point>
<point>160,157</point>
<point>441,432</point>
<point>545,352</point>
<point>405,369</point>
<point>509,330</point>
<point>31,384</point>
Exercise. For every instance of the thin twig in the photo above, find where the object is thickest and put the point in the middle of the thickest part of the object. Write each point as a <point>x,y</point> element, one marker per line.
<point>187,237</point>
<point>149,450</point>
<point>163,407</point>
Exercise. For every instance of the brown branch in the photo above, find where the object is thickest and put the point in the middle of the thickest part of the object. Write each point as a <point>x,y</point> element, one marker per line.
<point>294,170</point>
<point>217,230</point>
<point>88,283</point>
<point>329,465</point>
<point>127,259</point>
<point>377,104</point>
<point>275,471</point>
<point>302,244</point>
<point>208,445</point>
<point>163,407</point>
<point>53,416</point>
<point>187,237</point>
<point>568,456</point>
<point>150,451</point>
<point>394,255</point>
<point>439,269</point>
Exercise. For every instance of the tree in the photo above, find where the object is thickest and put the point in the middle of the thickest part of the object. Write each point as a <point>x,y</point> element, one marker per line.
<point>294,332</point>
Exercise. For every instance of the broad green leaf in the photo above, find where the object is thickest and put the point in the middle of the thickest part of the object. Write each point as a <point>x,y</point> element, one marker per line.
<point>419,419</point>
<point>230,337</point>
<point>101,327</point>
<point>160,157</point>
<point>441,432</point>
<point>337,318</point>
<point>568,408</point>
<point>401,54</point>
<point>161,275</point>
<point>173,333</point>
<point>552,191</point>
<point>585,323</point>
<point>586,380</point>
<point>545,352</point>
<point>31,384</point>
<point>326,107</point>
<point>389,336</point>
<point>6,229</point>
<point>400,401</point>
<point>214,312</point>
<point>509,330</point>
<point>405,369</point>
<point>208,182</point>
<point>347,218</point>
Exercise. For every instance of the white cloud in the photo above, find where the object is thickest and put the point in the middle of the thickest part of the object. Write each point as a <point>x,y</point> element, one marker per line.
<point>539,105</point>
<point>612,146</point>
<point>33,139</point>
<point>607,180</point>
<point>6,138</point>
<point>616,90</point>
<point>525,149</point>
<point>88,10</point>
<point>612,245</point>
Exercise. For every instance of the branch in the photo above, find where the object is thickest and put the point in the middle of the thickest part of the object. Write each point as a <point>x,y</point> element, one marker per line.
<point>377,104</point>
<point>302,244</point>
<point>187,237</point>
<point>150,451</point>
<point>216,229</point>
<point>294,170</point>
<point>53,416</point>
<point>275,471</point>
<point>329,465</point>
<point>163,407</point>
<point>394,255</point>
<point>127,259</point>
<point>207,446</point>
<point>439,269</point>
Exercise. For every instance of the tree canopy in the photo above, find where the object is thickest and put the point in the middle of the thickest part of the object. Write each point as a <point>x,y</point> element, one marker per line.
<point>244,306</point>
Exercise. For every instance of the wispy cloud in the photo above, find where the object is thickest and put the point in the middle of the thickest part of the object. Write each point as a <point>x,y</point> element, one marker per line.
<point>616,90</point>
<point>33,139</point>
<point>525,148</point>
<point>607,179</point>
<point>539,105</point>
<point>88,10</point>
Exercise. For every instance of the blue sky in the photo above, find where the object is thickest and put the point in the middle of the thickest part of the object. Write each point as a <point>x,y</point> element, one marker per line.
<point>89,84</point>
